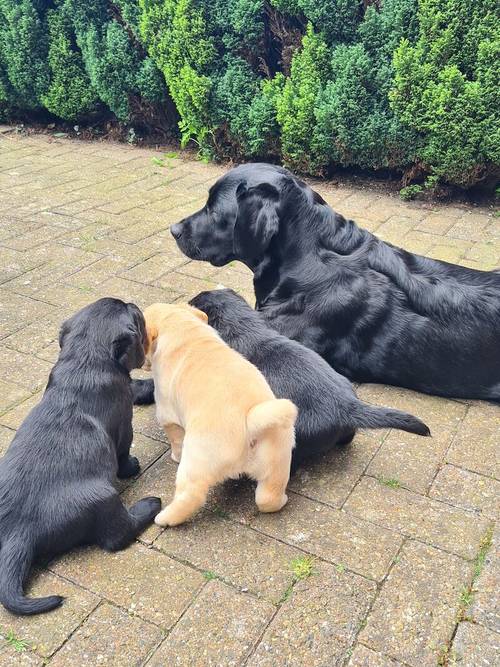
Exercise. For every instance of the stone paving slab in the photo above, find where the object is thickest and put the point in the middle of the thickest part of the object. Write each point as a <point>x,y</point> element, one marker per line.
<point>109,636</point>
<point>413,618</point>
<point>368,564</point>
<point>220,628</point>
<point>475,646</point>
<point>318,623</point>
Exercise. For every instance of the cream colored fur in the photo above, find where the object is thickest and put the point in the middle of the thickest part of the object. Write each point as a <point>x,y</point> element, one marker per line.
<point>218,412</point>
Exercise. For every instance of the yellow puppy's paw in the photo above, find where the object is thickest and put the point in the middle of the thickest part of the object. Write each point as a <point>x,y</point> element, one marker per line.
<point>175,457</point>
<point>168,518</point>
<point>273,505</point>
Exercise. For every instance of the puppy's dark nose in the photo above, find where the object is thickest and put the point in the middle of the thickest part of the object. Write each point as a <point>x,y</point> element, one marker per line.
<point>176,230</point>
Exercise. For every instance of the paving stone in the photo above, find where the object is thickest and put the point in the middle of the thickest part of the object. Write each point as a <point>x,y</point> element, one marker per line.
<point>468,490</point>
<point>414,616</point>
<point>21,657</point>
<point>471,227</point>
<point>109,637</point>
<point>146,423</point>
<point>38,335</point>
<point>220,628</point>
<point>363,656</point>
<point>14,417</point>
<point>185,286</point>
<point>486,603</point>
<point>45,633</point>
<point>154,268</point>
<point>476,443</point>
<point>414,515</point>
<point>67,296</point>
<point>221,547</point>
<point>11,394</point>
<point>6,437</point>
<point>92,276</point>
<point>33,238</point>
<point>332,535</point>
<point>487,252</point>
<point>142,295</point>
<point>143,581</point>
<point>411,459</point>
<point>22,369</point>
<point>331,477</point>
<point>435,223</point>
<point>447,252</point>
<point>318,624</point>
<point>395,228</point>
<point>16,311</point>
<point>14,263</point>
<point>475,646</point>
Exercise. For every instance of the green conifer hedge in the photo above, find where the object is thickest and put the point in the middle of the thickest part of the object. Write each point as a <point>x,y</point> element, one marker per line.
<point>407,85</point>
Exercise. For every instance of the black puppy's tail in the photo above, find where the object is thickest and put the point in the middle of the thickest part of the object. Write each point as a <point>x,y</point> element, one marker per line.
<point>372,416</point>
<point>15,562</point>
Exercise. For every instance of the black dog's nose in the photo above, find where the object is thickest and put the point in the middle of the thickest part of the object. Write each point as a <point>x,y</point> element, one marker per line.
<point>176,230</point>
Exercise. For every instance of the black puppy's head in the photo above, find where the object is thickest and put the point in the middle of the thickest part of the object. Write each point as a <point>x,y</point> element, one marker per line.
<point>107,326</point>
<point>240,218</point>
<point>227,311</point>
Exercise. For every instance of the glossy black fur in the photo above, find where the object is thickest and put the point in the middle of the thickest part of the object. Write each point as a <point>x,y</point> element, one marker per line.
<point>329,410</point>
<point>375,312</point>
<point>57,477</point>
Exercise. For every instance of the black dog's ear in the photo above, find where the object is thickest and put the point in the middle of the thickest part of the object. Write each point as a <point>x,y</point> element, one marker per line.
<point>128,344</point>
<point>123,347</point>
<point>257,220</point>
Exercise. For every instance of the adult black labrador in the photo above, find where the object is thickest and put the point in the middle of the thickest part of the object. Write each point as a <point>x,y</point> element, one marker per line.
<point>329,410</point>
<point>57,477</point>
<point>375,312</point>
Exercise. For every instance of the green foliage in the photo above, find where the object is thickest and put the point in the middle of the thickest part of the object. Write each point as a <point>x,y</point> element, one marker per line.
<point>175,35</point>
<point>23,54</point>
<point>447,89</point>
<point>296,103</point>
<point>70,93</point>
<point>316,83</point>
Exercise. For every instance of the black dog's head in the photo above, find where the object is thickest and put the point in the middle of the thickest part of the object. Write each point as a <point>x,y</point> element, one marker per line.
<point>241,216</point>
<point>107,326</point>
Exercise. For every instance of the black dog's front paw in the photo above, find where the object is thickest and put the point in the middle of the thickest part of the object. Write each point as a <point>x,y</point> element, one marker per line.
<point>143,392</point>
<point>128,467</point>
<point>146,509</point>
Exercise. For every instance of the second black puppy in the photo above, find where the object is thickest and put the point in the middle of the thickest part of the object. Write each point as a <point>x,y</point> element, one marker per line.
<point>57,477</point>
<point>329,410</point>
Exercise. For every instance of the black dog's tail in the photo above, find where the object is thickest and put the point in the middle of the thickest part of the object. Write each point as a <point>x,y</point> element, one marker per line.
<point>15,562</point>
<point>372,416</point>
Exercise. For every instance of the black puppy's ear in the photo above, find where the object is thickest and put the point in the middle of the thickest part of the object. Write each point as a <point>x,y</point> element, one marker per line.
<point>257,220</point>
<point>122,348</point>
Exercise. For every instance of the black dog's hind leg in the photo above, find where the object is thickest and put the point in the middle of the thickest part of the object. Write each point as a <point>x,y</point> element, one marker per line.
<point>117,527</point>
<point>128,466</point>
<point>143,392</point>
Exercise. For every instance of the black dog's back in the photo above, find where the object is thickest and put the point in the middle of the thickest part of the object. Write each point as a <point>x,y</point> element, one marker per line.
<point>329,410</point>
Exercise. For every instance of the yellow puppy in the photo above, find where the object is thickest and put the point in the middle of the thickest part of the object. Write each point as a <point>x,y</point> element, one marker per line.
<point>219,413</point>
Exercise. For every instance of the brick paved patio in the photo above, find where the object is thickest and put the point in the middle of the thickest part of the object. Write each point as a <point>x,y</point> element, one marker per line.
<point>385,554</point>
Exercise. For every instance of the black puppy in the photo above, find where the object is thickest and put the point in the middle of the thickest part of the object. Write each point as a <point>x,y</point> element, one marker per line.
<point>375,312</point>
<point>56,479</point>
<point>329,410</point>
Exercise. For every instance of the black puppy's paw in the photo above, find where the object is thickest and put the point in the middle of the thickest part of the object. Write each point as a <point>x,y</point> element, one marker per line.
<point>128,467</point>
<point>143,392</point>
<point>146,509</point>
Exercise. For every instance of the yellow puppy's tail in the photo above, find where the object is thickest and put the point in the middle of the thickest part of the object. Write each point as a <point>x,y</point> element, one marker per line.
<point>276,413</point>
